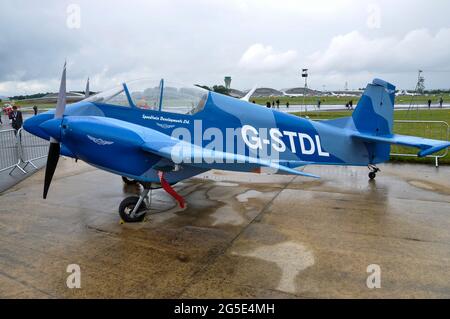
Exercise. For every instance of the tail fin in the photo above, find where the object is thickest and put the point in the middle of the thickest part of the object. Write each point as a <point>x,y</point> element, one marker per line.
<point>375,110</point>
<point>373,120</point>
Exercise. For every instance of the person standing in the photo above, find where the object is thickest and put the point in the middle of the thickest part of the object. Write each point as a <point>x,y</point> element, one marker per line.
<point>429,103</point>
<point>319,102</point>
<point>268,105</point>
<point>273,104</point>
<point>287,104</point>
<point>35,109</point>
<point>278,103</point>
<point>441,102</point>
<point>16,119</point>
<point>350,104</point>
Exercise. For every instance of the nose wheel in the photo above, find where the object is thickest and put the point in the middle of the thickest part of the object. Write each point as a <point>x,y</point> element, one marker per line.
<point>133,209</point>
<point>130,211</point>
<point>373,172</point>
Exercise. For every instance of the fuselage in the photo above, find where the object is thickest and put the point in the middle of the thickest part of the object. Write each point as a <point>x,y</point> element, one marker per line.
<point>224,124</point>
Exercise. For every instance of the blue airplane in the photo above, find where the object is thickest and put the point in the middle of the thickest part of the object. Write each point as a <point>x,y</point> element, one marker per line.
<point>159,134</point>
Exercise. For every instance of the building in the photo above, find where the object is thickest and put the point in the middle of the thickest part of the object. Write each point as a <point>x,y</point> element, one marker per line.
<point>228,82</point>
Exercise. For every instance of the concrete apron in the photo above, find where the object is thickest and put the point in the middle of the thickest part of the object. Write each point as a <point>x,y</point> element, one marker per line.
<point>241,236</point>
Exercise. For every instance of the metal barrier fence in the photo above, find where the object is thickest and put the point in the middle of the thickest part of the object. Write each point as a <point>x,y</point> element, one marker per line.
<point>32,148</point>
<point>18,148</point>
<point>9,151</point>
<point>437,130</point>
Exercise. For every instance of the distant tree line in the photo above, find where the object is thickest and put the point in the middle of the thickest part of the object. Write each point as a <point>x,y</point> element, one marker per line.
<point>31,96</point>
<point>216,88</point>
<point>436,91</point>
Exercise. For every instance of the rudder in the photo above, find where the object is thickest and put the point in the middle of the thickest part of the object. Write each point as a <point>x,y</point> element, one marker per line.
<point>374,115</point>
<point>375,110</point>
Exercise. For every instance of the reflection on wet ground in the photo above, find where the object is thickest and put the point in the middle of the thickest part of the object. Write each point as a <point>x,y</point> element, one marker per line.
<point>240,236</point>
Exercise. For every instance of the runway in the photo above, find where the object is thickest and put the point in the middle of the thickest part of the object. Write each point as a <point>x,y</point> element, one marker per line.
<point>241,236</point>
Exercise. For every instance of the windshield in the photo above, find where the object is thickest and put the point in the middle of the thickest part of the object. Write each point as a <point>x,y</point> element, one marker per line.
<point>115,96</point>
<point>158,95</point>
<point>167,96</point>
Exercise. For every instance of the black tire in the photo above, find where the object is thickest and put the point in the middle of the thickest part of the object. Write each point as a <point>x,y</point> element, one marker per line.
<point>129,181</point>
<point>372,175</point>
<point>127,206</point>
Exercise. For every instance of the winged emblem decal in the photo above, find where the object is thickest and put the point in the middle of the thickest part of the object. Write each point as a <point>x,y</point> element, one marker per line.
<point>99,141</point>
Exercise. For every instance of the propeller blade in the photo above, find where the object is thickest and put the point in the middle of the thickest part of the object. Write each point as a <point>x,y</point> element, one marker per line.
<point>55,148</point>
<point>87,91</point>
<point>52,161</point>
<point>61,105</point>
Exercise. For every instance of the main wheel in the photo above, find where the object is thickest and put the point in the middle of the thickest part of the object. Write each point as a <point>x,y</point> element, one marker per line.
<point>129,181</point>
<point>127,206</point>
<point>372,175</point>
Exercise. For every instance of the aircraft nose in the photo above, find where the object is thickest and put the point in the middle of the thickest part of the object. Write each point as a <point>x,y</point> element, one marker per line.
<point>31,125</point>
<point>52,128</point>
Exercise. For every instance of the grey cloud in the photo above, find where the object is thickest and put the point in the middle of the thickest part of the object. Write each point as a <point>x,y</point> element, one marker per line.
<point>203,41</point>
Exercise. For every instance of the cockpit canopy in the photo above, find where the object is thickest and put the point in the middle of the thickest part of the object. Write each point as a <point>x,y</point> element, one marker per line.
<point>155,95</point>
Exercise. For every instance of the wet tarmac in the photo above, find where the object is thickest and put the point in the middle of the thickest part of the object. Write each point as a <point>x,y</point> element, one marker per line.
<point>241,236</point>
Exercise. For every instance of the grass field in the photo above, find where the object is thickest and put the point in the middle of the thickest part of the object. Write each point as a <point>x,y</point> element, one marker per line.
<point>428,130</point>
<point>335,100</point>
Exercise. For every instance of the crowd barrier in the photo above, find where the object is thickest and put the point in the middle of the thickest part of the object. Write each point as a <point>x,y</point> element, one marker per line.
<point>9,151</point>
<point>32,148</point>
<point>18,149</point>
<point>436,130</point>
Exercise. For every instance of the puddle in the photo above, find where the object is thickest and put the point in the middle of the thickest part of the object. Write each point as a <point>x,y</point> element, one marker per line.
<point>227,215</point>
<point>225,184</point>
<point>290,257</point>
<point>420,184</point>
<point>244,197</point>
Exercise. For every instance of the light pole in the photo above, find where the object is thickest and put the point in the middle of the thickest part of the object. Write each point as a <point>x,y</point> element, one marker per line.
<point>305,76</point>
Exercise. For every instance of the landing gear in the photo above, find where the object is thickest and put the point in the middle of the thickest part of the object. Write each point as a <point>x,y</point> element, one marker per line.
<point>133,209</point>
<point>128,181</point>
<point>373,171</point>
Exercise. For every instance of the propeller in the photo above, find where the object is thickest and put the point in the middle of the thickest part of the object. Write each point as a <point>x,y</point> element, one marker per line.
<point>54,149</point>
<point>87,92</point>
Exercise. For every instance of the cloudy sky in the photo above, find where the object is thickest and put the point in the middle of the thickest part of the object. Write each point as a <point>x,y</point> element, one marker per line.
<point>262,42</point>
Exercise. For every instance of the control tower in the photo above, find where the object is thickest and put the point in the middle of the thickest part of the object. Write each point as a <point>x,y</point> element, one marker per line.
<point>227,82</point>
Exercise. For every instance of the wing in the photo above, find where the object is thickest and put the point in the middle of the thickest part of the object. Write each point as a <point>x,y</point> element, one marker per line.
<point>426,146</point>
<point>190,154</point>
<point>178,151</point>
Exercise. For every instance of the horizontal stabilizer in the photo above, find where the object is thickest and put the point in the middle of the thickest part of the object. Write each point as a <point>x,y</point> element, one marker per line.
<point>426,146</point>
